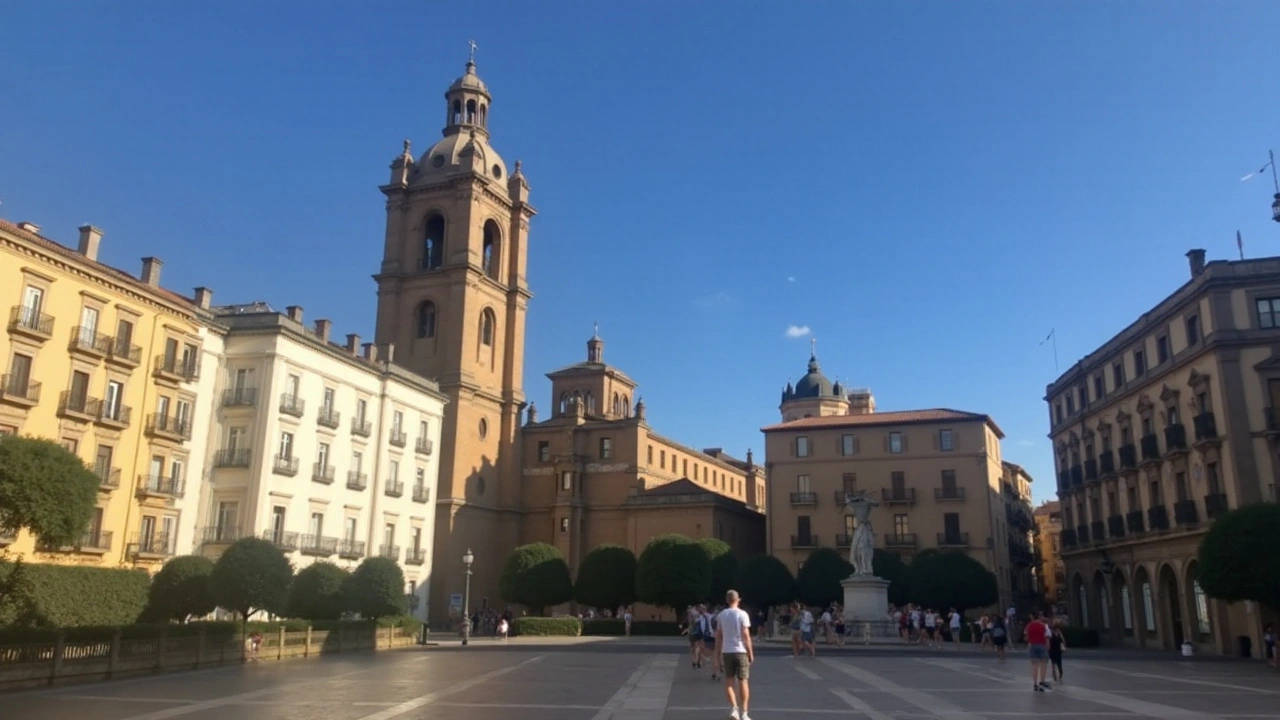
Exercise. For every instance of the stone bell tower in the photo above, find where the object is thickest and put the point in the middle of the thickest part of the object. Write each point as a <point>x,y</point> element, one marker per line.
<point>452,297</point>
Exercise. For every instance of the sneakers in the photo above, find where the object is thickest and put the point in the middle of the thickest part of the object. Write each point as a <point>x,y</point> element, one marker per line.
<point>745,717</point>
<point>734,714</point>
<point>1037,687</point>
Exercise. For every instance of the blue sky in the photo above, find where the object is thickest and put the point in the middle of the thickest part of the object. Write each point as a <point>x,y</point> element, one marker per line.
<point>928,187</point>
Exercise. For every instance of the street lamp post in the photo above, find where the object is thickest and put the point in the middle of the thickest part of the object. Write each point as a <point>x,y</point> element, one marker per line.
<point>467,559</point>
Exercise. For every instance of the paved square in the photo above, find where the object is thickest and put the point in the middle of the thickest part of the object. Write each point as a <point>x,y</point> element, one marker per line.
<point>650,679</point>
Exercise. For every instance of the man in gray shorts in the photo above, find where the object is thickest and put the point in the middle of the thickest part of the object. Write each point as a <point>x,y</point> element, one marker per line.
<point>733,653</point>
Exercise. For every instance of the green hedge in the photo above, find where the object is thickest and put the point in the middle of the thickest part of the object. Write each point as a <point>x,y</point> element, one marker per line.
<point>1078,637</point>
<point>71,596</point>
<point>212,629</point>
<point>610,626</point>
<point>543,627</point>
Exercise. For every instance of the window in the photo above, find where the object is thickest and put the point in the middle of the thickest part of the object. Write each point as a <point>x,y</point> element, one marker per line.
<point>322,455</point>
<point>1269,312</point>
<point>183,414</point>
<point>566,480</point>
<point>951,525</point>
<point>225,524</point>
<point>1202,608</point>
<point>1057,408</point>
<point>1148,608</point>
<point>277,524</point>
<point>102,461</point>
<point>544,451</point>
<point>900,525</point>
<point>420,478</point>
<point>433,243</point>
<point>362,407</point>
<point>326,405</point>
<point>189,354</point>
<point>1212,479</point>
<point>1117,375</point>
<point>949,483</point>
<point>393,469</point>
<point>662,459</point>
<point>1082,397</point>
<point>486,328</point>
<point>695,471</point>
<point>1139,363</point>
<point>415,536</point>
<point>684,467</point>
<point>649,459</point>
<point>1084,606</point>
<point>802,483</point>
<point>236,438</point>
<point>847,446</point>
<point>349,532</point>
<point>357,460</point>
<point>1099,387</point>
<point>397,422</point>
<point>286,445</point>
<point>946,441</point>
<point>898,483</point>
<point>1162,349</point>
<point>564,525</point>
<point>802,446</point>
<point>426,320</point>
<point>1126,612</point>
<point>291,385</point>
<point>1193,329</point>
<point>88,326</point>
<point>895,442</point>
<point>489,260</point>
<point>114,407</point>
<point>124,337</point>
<point>243,378</point>
<point>317,524</point>
<point>804,529</point>
<point>389,534</point>
<point>19,375</point>
<point>849,482</point>
<point>1071,404</point>
<point>606,448</point>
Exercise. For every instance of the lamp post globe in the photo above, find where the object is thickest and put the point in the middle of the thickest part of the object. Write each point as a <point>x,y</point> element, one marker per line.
<point>467,559</point>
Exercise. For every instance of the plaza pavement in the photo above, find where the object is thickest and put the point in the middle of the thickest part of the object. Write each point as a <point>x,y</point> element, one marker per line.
<point>650,679</point>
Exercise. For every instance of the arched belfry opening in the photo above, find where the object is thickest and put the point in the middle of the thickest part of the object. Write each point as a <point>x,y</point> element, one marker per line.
<point>433,243</point>
<point>490,251</point>
<point>426,319</point>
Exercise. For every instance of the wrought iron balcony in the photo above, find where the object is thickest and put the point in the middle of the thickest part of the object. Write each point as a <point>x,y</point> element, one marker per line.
<point>389,551</point>
<point>900,540</point>
<point>1158,517</point>
<point>415,556</point>
<point>89,342</point>
<point>1128,456</point>
<point>108,477</point>
<point>328,417</point>
<point>1150,448</point>
<point>285,465</point>
<point>804,498</point>
<point>421,493</point>
<point>424,446</point>
<point>1186,513</point>
<point>95,541</point>
<point>1090,470</point>
<point>322,473</point>
<point>160,486</point>
<point>1098,529</point>
<point>900,496</point>
<point>175,369</point>
<point>948,493</point>
<point>116,416</point>
<point>292,405</point>
<point>1135,521</point>
<point>361,427</point>
<point>804,541</point>
<point>1206,426</point>
<point>1107,462</point>
<point>79,407</point>
<point>1068,537</point>
<point>122,352</point>
<point>232,458</point>
<point>357,480</point>
<point>286,541</point>
<point>1215,504</point>
<point>1082,534</point>
<point>30,322</point>
<point>844,540</point>
<point>318,545</point>
<point>1115,526</point>
<point>351,549</point>
<point>153,546</point>
<point>398,438</point>
<point>394,488</point>
<point>240,397</point>
<point>219,535</point>
<point>19,390</point>
<point>1175,438</point>
<point>168,426</point>
<point>953,540</point>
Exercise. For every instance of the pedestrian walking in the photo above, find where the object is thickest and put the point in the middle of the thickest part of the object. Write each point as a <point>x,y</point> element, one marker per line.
<point>999,637</point>
<point>956,622</point>
<point>1057,643</point>
<point>1037,634</point>
<point>733,655</point>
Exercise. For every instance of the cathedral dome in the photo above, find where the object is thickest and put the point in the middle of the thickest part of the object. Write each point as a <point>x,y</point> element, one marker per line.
<point>453,153</point>
<point>470,81</point>
<point>814,383</point>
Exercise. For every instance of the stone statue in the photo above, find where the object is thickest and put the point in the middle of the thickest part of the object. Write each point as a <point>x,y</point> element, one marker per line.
<point>862,548</point>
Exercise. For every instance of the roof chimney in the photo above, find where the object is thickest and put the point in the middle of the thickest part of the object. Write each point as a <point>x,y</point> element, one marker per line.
<point>390,354</point>
<point>204,297</point>
<point>29,227</point>
<point>90,238</point>
<point>353,343</point>
<point>151,270</point>
<point>370,352</point>
<point>1196,258</point>
<point>322,329</point>
<point>294,312</point>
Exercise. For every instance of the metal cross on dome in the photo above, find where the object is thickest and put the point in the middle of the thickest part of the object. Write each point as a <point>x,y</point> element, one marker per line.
<point>472,44</point>
<point>813,346</point>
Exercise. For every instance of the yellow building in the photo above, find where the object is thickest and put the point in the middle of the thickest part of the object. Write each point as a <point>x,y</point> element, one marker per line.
<point>1053,574</point>
<point>103,363</point>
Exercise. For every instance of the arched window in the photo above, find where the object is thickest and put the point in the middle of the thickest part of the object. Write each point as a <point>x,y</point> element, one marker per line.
<point>486,327</point>
<point>564,402</point>
<point>591,402</point>
<point>484,115</point>
<point>626,406</point>
<point>426,320</point>
<point>456,116</point>
<point>490,260</point>
<point>471,111</point>
<point>433,243</point>
<point>617,404</point>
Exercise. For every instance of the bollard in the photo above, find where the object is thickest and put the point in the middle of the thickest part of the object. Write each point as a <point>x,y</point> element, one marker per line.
<point>307,651</point>
<point>280,644</point>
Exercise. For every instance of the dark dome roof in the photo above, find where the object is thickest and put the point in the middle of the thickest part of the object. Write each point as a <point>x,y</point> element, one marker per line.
<point>813,384</point>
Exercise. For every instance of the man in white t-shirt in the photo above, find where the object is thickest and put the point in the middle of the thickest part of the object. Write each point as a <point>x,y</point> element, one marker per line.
<point>955,627</point>
<point>733,653</point>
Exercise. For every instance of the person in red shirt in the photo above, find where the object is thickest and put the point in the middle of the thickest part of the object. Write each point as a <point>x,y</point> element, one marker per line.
<point>1037,633</point>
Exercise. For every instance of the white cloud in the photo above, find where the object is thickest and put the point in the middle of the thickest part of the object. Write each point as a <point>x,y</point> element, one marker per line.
<point>797,331</point>
<point>1026,443</point>
<point>791,278</point>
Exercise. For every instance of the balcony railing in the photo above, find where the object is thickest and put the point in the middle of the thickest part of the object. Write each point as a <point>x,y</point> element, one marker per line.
<point>900,540</point>
<point>160,486</point>
<point>328,417</point>
<point>421,493</point>
<point>948,493</point>
<point>424,446</point>
<point>361,427</point>
<point>176,369</point>
<point>1215,504</point>
<point>1135,521</point>
<point>357,480</point>
<point>389,551</point>
<point>285,465</point>
<point>31,322</point>
<point>19,390</point>
<point>1175,438</point>
<point>1158,517</point>
<point>220,535</point>
<point>154,545</point>
<point>1107,462</point>
<point>318,545</point>
<point>898,496</point>
<point>1185,513</point>
<point>1082,534</point>
<point>1090,470</point>
<point>844,540</point>
<point>394,488</point>
<point>169,426</point>
<point>240,397</point>
<point>1150,448</point>
<point>415,556</point>
<point>1068,538</point>
<point>1115,526</point>
<point>953,540</point>
<point>1206,426</point>
<point>79,407</point>
<point>292,405</point>
<point>804,498</point>
<point>1128,456</point>
<point>232,458</point>
<point>286,541</point>
<point>398,438</point>
<point>96,540</point>
<point>804,541</point>
<point>322,473</point>
<point>108,477</point>
<point>117,416</point>
<point>123,352</point>
<point>351,549</point>
<point>1098,529</point>
<point>87,341</point>
<point>1077,476</point>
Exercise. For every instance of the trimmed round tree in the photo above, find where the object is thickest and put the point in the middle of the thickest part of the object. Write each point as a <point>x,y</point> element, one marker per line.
<point>673,571</point>
<point>724,568</point>
<point>606,578</point>
<point>252,575</point>
<point>45,489</point>
<point>376,589</point>
<point>764,581</point>
<point>889,566</point>
<point>942,580</point>
<point>818,582</point>
<point>318,592</point>
<point>1238,558</point>
<point>536,576</point>
<point>181,589</point>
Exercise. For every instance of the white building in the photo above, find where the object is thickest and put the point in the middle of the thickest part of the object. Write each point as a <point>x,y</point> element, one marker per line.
<point>326,450</point>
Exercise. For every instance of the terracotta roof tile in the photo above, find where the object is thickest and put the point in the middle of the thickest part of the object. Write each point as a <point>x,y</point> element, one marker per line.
<point>901,417</point>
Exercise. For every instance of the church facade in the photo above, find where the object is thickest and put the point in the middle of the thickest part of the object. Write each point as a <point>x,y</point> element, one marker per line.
<point>453,297</point>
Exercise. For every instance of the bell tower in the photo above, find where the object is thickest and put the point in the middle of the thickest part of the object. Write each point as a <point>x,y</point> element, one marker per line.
<point>452,297</point>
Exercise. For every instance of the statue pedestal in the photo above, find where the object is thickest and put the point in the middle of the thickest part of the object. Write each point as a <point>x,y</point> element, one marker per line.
<point>866,600</point>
